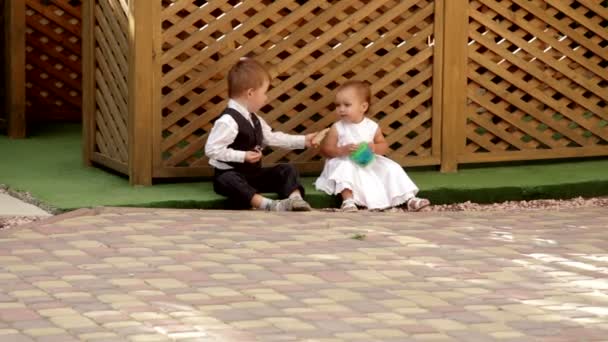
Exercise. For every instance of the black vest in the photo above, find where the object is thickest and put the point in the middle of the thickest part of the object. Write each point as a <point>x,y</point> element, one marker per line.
<point>246,139</point>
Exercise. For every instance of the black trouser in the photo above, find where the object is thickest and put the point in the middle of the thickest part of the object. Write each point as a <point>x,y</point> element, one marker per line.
<point>239,187</point>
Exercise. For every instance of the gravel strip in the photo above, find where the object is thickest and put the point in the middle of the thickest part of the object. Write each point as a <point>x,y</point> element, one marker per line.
<point>13,221</point>
<point>28,198</point>
<point>7,222</point>
<point>546,204</point>
<point>549,204</point>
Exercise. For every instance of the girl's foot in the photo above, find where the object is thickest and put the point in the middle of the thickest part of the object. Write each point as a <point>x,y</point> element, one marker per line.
<point>416,203</point>
<point>349,206</point>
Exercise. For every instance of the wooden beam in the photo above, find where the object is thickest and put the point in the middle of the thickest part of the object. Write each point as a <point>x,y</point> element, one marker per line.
<point>534,154</point>
<point>113,164</point>
<point>15,66</point>
<point>156,112</point>
<point>140,119</point>
<point>454,94</point>
<point>4,84</point>
<point>88,81</point>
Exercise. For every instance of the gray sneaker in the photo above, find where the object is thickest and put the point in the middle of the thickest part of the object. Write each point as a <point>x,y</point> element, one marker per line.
<point>298,204</point>
<point>290,204</point>
<point>280,205</point>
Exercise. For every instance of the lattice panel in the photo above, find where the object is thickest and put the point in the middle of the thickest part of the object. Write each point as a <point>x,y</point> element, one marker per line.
<point>53,63</point>
<point>537,77</point>
<point>111,51</point>
<point>311,47</point>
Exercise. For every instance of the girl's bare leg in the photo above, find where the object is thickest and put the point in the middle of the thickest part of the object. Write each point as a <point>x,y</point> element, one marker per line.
<point>346,194</point>
<point>348,203</point>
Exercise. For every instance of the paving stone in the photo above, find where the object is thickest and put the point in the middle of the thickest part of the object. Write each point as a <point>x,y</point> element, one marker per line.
<point>169,275</point>
<point>17,315</point>
<point>57,338</point>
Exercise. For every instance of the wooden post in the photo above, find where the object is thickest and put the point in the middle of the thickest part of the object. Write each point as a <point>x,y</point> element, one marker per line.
<point>88,80</point>
<point>15,66</point>
<point>437,103</point>
<point>454,94</point>
<point>140,91</point>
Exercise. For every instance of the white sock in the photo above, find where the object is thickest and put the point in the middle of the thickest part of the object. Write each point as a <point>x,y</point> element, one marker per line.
<point>266,203</point>
<point>295,195</point>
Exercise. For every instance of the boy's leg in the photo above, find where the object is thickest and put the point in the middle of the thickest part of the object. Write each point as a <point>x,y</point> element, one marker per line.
<point>284,180</point>
<point>257,201</point>
<point>260,202</point>
<point>235,186</point>
<point>243,193</point>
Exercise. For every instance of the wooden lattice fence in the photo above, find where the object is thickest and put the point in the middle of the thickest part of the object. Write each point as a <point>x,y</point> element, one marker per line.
<point>106,74</point>
<point>53,60</point>
<point>310,46</point>
<point>537,76</point>
<point>458,81</point>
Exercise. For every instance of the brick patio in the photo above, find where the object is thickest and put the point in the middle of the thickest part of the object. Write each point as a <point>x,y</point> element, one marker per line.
<point>187,275</point>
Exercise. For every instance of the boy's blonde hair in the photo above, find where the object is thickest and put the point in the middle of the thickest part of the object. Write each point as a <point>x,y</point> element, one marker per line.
<point>362,88</point>
<point>247,73</point>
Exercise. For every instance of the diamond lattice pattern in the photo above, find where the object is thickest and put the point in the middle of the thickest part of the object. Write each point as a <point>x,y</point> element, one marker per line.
<point>53,61</point>
<point>311,47</point>
<point>537,76</point>
<point>111,51</point>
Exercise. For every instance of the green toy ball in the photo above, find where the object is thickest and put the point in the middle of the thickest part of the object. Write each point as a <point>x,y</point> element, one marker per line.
<point>363,155</point>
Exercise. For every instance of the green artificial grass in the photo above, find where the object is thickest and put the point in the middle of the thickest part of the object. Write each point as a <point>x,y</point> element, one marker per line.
<point>48,165</point>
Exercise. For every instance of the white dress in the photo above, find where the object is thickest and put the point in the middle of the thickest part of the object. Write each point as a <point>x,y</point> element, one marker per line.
<point>379,185</point>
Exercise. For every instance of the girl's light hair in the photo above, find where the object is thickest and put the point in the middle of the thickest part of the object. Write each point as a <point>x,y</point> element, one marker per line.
<point>247,73</point>
<point>362,89</point>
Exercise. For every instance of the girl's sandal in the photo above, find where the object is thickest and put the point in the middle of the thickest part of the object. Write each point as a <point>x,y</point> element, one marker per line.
<point>416,203</point>
<point>349,206</point>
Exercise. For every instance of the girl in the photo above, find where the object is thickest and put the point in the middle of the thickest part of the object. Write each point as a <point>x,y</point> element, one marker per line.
<point>382,183</point>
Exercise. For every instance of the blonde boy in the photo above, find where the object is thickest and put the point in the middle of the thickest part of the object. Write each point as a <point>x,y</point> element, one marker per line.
<point>235,144</point>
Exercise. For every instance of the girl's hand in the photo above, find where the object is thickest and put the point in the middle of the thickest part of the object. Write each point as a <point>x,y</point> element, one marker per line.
<point>372,147</point>
<point>348,149</point>
<point>253,156</point>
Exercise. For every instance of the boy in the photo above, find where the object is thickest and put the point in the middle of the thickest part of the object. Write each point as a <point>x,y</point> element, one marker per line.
<point>235,143</point>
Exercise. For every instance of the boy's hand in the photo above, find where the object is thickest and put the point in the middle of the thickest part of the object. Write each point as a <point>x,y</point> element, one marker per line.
<point>253,156</point>
<point>309,139</point>
<point>318,137</point>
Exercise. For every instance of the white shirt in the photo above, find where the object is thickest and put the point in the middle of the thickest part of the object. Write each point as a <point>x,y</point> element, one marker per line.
<point>225,130</point>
